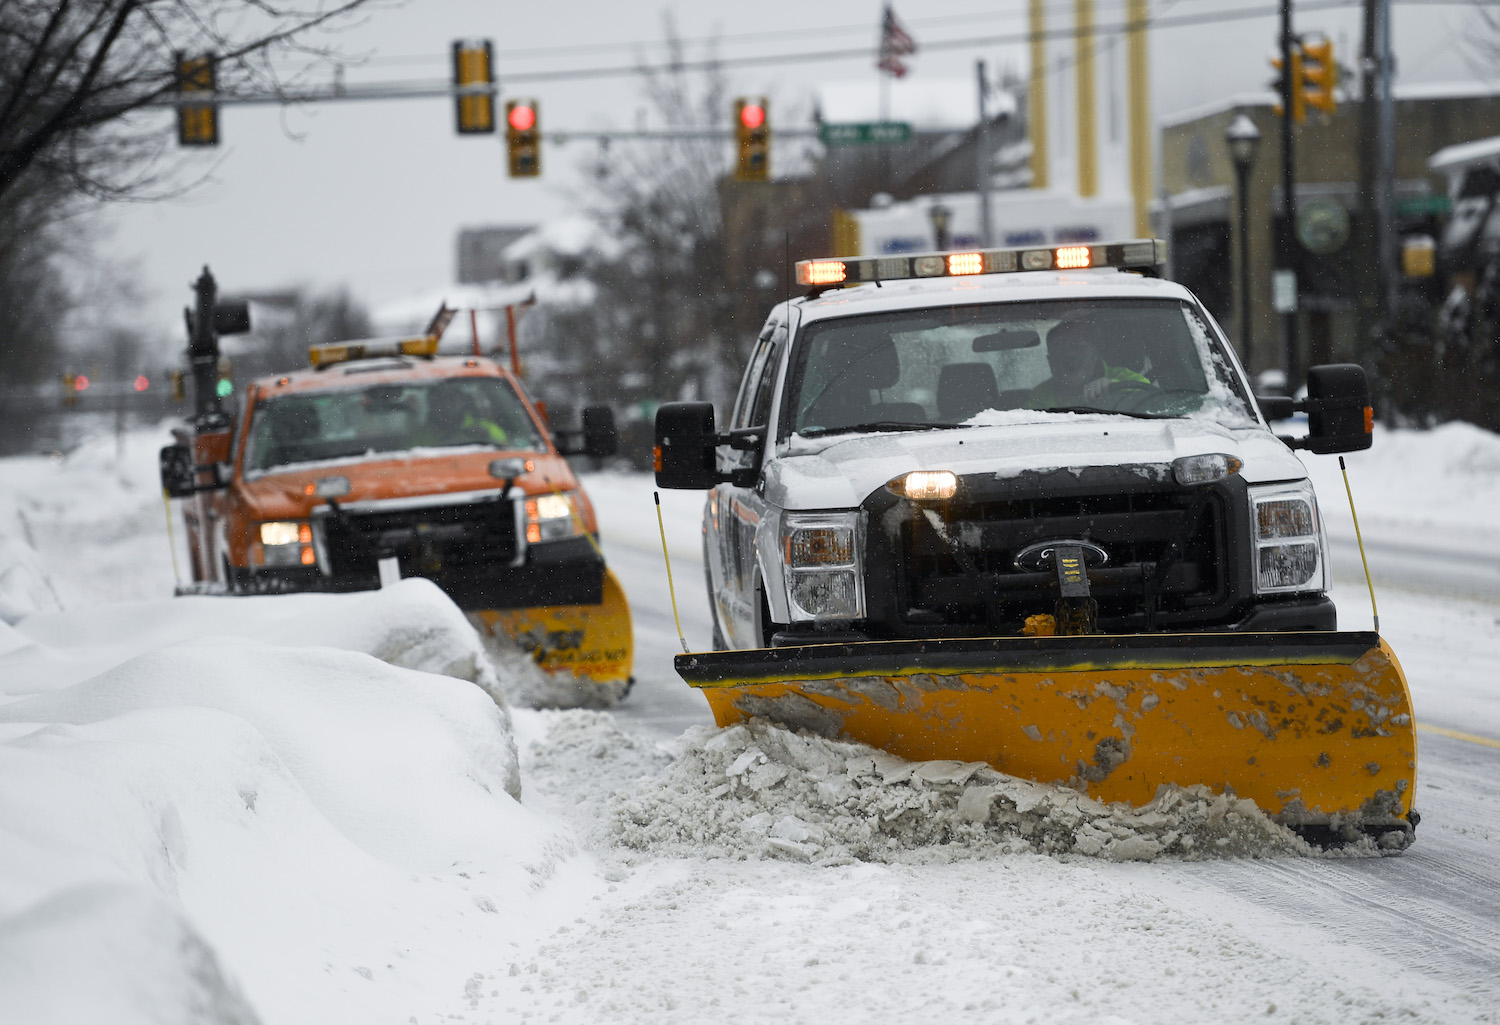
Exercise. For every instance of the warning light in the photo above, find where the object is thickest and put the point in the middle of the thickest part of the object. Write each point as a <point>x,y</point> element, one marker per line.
<point>308,557</point>
<point>142,382</point>
<point>80,383</point>
<point>1072,257</point>
<point>965,263</point>
<point>752,115</point>
<point>820,272</point>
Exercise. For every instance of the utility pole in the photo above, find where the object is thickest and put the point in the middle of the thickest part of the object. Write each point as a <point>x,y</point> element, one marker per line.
<point>1289,186</point>
<point>1386,191</point>
<point>1370,275</point>
<point>982,158</point>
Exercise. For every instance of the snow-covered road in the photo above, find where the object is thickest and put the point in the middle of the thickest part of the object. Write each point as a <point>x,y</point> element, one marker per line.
<point>610,925</point>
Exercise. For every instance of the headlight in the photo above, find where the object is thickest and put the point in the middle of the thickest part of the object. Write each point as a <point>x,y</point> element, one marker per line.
<point>822,559</point>
<point>286,543</point>
<point>552,517</point>
<point>1289,552</point>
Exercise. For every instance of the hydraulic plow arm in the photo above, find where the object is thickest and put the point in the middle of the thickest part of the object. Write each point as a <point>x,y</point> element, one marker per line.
<point>1316,728</point>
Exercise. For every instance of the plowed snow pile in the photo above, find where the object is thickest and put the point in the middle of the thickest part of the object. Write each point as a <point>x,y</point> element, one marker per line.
<point>758,790</point>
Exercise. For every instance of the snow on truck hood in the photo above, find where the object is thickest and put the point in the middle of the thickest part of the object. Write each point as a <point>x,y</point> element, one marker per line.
<point>840,471</point>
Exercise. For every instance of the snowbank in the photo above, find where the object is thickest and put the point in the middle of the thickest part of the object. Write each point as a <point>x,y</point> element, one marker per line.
<point>24,585</point>
<point>332,830</point>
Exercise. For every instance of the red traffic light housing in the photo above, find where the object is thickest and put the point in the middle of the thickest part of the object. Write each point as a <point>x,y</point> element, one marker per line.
<point>523,138</point>
<point>752,132</point>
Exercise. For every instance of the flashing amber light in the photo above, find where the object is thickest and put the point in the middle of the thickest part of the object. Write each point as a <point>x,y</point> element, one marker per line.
<point>821,272</point>
<point>1072,257</point>
<point>282,382</point>
<point>304,534</point>
<point>965,263</point>
<point>929,484</point>
<point>533,533</point>
<point>752,115</point>
<point>522,118</point>
<point>308,558</point>
<point>309,489</point>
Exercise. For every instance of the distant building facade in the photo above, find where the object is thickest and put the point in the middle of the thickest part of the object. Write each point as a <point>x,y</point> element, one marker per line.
<point>1198,211</point>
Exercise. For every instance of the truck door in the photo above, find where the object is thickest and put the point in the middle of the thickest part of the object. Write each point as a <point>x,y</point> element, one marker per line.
<point>744,507</point>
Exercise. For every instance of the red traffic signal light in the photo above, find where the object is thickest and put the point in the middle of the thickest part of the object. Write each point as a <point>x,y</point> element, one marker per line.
<point>522,117</point>
<point>142,382</point>
<point>752,134</point>
<point>80,383</point>
<point>523,138</point>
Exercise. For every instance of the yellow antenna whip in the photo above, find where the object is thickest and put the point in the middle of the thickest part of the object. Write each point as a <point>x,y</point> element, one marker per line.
<point>656,496</point>
<point>1368,582</point>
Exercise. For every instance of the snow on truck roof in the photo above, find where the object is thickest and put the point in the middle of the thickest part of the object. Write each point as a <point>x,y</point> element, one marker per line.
<point>361,371</point>
<point>1102,283</point>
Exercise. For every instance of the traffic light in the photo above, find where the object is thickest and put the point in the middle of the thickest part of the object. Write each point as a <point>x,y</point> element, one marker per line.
<point>523,138</point>
<point>472,75</point>
<point>197,123</point>
<point>179,385</point>
<point>1320,75</point>
<point>71,389</point>
<point>1299,97</point>
<point>752,133</point>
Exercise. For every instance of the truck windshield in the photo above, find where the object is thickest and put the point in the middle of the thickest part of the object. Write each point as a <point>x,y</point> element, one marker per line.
<point>982,364</point>
<point>384,418</point>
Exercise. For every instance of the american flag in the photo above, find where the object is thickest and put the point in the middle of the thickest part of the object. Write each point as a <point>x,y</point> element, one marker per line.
<point>895,43</point>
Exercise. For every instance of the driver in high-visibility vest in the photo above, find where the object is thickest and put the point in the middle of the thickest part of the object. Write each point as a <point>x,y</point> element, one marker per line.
<point>1079,373</point>
<point>451,420</point>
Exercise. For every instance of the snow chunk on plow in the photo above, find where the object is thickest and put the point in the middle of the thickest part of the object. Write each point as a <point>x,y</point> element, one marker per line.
<point>756,790</point>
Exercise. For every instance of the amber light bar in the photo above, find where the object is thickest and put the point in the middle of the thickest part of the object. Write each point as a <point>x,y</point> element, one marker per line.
<point>1145,254</point>
<point>340,352</point>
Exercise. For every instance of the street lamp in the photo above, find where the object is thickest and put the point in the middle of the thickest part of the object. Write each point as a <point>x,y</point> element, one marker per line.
<point>940,215</point>
<point>1243,140</point>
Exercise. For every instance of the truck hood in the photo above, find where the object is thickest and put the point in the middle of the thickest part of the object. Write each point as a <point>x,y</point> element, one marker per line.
<point>839,472</point>
<point>291,493</point>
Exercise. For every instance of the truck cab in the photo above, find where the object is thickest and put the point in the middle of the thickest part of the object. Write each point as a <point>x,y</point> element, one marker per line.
<point>917,451</point>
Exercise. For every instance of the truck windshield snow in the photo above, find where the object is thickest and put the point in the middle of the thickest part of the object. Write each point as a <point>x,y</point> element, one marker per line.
<point>303,428</point>
<point>921,369</point>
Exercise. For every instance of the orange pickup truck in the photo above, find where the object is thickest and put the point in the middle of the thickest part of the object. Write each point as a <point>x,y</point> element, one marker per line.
<point>386,460</point>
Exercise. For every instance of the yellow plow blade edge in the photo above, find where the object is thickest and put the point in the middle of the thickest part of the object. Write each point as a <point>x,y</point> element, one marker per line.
<point>593,642</point>
<point>1315,728</point>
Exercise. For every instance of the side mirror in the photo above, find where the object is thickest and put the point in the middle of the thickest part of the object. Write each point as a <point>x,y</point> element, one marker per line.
<point>178,476</point>
<point>1339,415</point>
<point>685,440</point>
<point>599,435</point>
<point>1275,407</point>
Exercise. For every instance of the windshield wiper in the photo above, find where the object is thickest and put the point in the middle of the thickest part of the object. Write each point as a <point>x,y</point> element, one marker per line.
<point>875,425</point>
<point>1118,412</point>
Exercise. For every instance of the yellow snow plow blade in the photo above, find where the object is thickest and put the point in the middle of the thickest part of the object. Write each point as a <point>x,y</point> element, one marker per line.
<point>593,642</point>
<point>1316,728</point>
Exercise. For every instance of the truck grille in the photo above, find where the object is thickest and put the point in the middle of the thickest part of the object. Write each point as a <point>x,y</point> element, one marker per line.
<point>434,541</point>
<point>1166,548</point>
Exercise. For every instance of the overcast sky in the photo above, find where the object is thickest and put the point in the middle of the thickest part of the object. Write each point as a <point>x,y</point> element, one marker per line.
<point>371,194</point>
